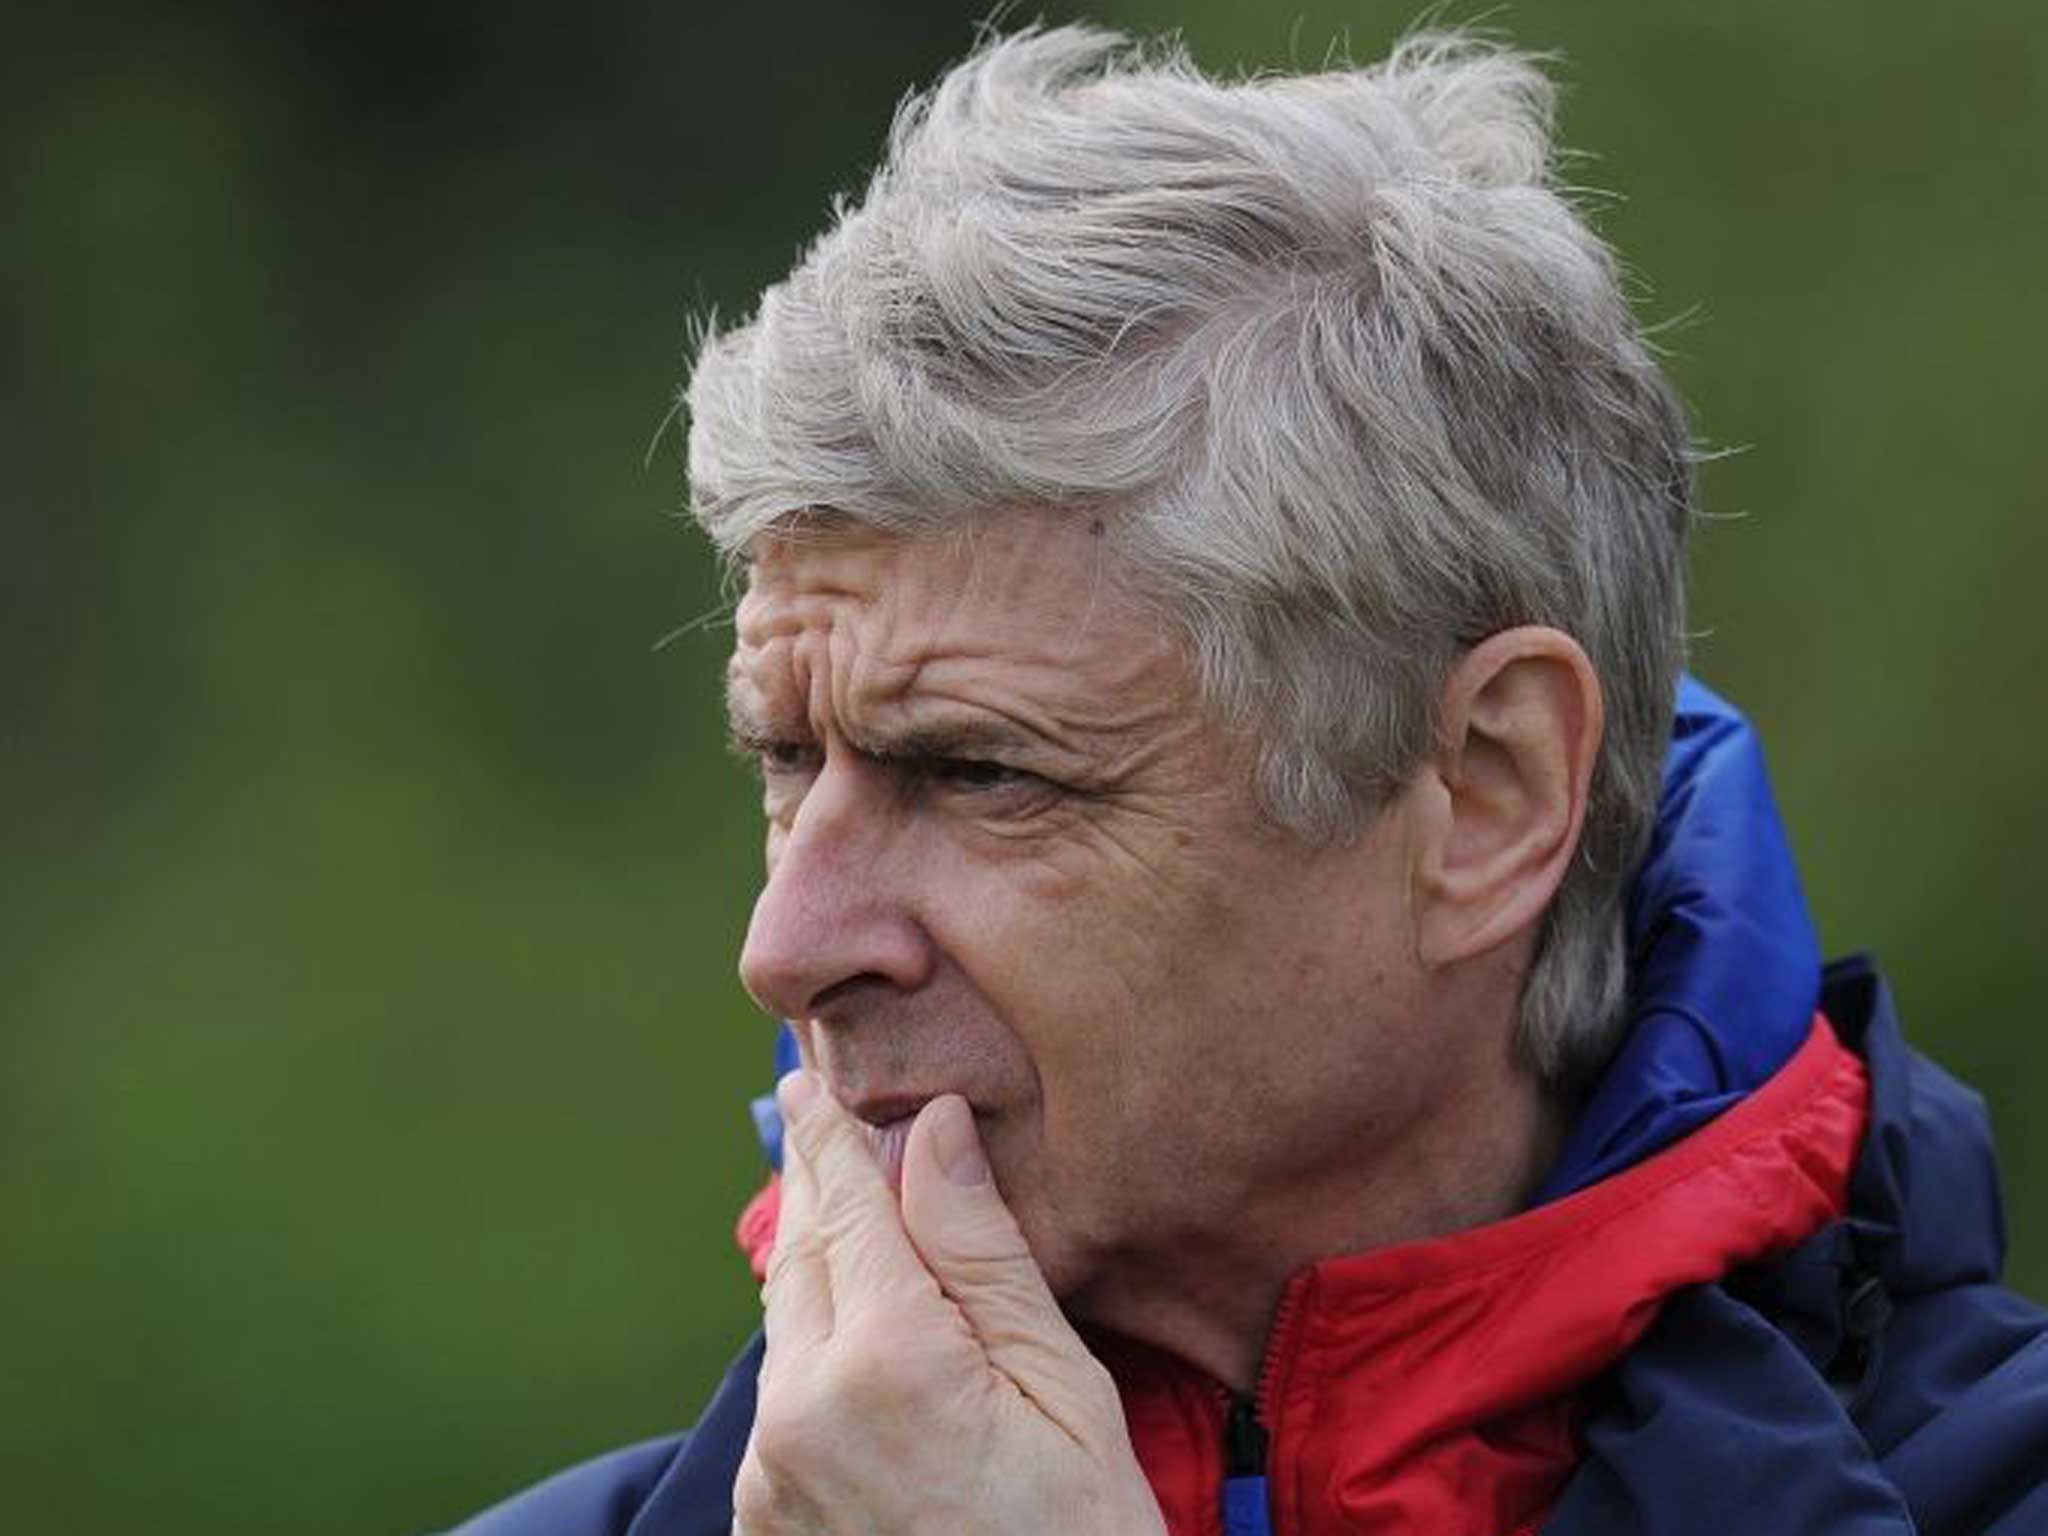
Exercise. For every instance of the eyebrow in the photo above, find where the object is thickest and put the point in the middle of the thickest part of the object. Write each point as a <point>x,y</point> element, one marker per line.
<point>972,738</point>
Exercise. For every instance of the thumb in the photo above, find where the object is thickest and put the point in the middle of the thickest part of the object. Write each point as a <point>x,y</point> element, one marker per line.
<point>975,1250</point>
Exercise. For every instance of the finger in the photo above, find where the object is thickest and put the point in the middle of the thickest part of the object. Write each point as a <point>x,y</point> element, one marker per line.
<point>973,1246</point>
<point>797,1293</point>
<point>852,1217</point>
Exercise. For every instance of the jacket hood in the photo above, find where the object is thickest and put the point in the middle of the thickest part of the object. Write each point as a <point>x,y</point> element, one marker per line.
<point>1876,1379</point>
<point>1724,967</point>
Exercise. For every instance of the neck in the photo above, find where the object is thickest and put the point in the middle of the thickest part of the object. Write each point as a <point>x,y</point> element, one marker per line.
<point>1466,1162</point>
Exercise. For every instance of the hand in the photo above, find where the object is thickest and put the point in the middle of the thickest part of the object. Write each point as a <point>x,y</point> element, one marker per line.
<point>919,1376</point>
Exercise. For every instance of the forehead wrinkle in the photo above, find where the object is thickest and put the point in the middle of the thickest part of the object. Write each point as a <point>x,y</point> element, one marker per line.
<point>1050,702</point>
<point>747,710</point>
<point>1019,590</point>
<point>862,679</point>
<point>1110,675</point>
<point>981,564</point>
<point>969,619</point>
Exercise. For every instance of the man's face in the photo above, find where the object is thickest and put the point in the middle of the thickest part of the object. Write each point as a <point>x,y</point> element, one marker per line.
<point>1011,857</point>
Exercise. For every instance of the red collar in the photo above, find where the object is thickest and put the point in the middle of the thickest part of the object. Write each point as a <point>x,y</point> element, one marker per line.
<point>1433,1386</point>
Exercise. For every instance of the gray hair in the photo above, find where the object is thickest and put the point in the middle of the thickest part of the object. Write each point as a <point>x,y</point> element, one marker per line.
<point>1359,385</point>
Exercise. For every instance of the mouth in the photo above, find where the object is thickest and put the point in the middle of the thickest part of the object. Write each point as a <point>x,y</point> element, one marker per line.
<point>886,1125</point>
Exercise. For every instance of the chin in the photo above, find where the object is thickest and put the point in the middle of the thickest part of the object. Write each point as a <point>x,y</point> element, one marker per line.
<point>1062,1253</point>
<point>1060,1258</point>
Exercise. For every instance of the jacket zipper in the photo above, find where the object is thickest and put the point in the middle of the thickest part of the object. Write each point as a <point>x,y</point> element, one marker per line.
<point>1244,1438</point>
<point>1247,1510</point>
<point>1248,1423</point>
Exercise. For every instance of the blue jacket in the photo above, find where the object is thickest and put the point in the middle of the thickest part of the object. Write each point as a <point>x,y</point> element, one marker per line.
<point>1875,1379</point>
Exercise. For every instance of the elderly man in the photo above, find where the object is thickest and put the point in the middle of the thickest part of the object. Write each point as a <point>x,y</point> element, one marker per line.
<point>1292,1037</point>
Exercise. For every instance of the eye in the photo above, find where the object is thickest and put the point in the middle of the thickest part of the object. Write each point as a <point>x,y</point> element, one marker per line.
<point>786,759</point>
<point>976,773</point>
<point>984,787</point>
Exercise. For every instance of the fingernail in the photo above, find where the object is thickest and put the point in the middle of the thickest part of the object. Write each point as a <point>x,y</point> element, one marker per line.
<point>796,1093</point>
<point>958,1145</point>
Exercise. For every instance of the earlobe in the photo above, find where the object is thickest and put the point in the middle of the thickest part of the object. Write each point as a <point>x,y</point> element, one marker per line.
<point>1521,720</point>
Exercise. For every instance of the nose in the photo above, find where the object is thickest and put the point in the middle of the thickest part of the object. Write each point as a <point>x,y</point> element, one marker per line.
<point>837,907</point>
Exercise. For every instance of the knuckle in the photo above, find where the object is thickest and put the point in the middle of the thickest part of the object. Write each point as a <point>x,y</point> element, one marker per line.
<point>829,1139</point>
<point>812,1131</point>
<point>868,1379</point>
<point>788,1421</point>
<point>858,1377</point>
<point>792,1250</point>
<point>753,1500</point>
<point>1002,1275</point>
<point>1098,1384</point>
<point>867,1375</point>
<point>883,1371</point>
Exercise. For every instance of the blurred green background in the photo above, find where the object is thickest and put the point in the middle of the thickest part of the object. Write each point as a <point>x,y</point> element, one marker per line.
<point>372,1071</point>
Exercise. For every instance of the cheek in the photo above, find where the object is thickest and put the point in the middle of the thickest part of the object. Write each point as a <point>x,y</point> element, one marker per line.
<point>1115,966</point>
<point>1085,916</point>
<point>1102,983</point>
<point>1075,966</point>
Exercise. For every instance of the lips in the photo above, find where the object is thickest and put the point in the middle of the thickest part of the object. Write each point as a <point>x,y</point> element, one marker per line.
<point>885,1120</point>
<point>887,1141</point>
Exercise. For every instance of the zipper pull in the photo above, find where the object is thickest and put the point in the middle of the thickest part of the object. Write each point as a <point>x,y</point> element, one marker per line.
<point>1244,1470</point>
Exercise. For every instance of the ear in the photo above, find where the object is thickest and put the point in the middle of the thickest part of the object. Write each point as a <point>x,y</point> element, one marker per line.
<point>1521,718</point>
